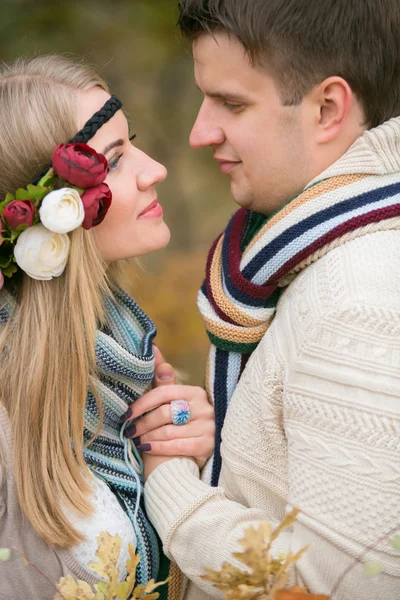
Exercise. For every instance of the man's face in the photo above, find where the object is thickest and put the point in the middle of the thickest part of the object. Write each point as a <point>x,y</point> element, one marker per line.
<point>258,142</point>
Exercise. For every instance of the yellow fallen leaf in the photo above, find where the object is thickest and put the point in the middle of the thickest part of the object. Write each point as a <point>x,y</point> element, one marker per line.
<point>298,593</point>
<point>69,589</point>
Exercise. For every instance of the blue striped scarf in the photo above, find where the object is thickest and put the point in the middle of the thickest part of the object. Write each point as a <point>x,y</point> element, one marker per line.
<point>125,361</point>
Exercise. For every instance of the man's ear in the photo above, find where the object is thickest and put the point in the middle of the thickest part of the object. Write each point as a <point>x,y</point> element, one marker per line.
<point>334,99</point>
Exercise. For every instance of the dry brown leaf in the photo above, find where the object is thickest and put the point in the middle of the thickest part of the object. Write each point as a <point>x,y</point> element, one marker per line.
<point>264,575</point>
<point>298,593</point>
<point>108,551</point>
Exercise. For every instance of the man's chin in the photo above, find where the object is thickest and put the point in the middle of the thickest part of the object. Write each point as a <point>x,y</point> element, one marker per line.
<point>241,199</point>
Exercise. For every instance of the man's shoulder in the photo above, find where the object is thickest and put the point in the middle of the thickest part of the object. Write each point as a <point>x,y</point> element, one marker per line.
<point>365,270</point>
<point>357,282</point>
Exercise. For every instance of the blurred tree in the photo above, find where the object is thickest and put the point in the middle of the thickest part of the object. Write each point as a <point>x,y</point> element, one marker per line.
<point>137,48</point>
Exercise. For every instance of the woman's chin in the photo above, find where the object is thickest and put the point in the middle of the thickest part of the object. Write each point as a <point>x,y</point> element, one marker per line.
<point>158,240</point>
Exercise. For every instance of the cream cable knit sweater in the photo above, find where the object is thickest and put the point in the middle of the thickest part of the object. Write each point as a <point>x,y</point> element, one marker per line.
<point>314,423</point>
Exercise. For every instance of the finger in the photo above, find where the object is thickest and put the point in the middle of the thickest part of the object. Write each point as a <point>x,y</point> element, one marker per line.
<point>170,432</point>
<point>164,374</point>
<point>159,359</point>
<point>162,416</point>
<point>163,395</point>
<point>191,447</point>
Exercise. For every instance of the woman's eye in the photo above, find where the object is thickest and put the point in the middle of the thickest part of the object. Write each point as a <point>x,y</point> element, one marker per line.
<point>113,163</point>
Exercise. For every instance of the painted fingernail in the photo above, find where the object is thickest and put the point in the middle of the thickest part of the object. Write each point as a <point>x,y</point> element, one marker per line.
<point>136,441</point>
<point>127,415</point>
<point>144,447</point>
<point>130,431</point>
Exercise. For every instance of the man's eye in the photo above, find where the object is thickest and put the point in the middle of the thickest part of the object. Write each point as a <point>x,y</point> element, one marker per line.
<point>113,163</point>
<point>232,106</point>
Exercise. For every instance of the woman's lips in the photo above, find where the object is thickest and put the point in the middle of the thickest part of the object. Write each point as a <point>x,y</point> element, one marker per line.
<point>152,211</point>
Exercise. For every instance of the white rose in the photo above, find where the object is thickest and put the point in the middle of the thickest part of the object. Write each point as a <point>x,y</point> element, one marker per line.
<point>41,253</point>
<point>62,211</point>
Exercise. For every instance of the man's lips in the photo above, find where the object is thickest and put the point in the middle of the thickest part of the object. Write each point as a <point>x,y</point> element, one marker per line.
<point>226,165</point>
<point>153,210</point>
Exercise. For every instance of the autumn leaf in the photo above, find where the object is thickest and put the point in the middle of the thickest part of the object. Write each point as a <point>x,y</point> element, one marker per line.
<point>298,593</point>
<point>124,590</point>
<point>108,551</point>
<point>264,575</point>
<point>69,589</point>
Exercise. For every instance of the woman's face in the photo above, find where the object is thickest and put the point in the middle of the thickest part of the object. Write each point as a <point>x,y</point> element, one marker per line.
<point>134,223</point>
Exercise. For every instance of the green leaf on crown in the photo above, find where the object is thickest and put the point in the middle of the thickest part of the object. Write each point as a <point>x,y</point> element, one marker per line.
<point>15,232</point>
<point>75,187</point>
<point>36,193</point>
<point>10,270</point>
<point>22,194</point>
<point>48,179</point>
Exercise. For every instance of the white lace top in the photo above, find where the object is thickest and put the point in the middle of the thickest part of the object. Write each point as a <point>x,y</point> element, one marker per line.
<point>108,516</point>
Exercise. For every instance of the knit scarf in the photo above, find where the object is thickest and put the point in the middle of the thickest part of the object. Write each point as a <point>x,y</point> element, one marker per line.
<point>125,362</point>
<point>250,263</point>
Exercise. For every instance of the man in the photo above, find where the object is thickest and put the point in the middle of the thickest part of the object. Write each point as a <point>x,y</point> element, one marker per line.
<point>301,108</point>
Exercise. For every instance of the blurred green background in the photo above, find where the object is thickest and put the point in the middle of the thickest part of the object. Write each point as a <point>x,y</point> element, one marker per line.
<point>137,48</point>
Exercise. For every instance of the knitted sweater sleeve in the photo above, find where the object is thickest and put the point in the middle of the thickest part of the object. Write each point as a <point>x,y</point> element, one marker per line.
<point>324,438</point>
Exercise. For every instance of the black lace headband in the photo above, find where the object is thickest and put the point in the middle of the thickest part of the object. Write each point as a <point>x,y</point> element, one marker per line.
<point>89,129</point>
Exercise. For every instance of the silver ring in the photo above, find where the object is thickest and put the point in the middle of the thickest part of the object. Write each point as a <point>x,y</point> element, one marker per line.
<point>180,412</point>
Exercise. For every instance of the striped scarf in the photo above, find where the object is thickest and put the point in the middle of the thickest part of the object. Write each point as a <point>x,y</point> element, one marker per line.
<point>125,361</point>
<point>256,256</point>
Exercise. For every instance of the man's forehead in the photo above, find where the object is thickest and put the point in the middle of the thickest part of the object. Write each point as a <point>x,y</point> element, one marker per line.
<point>219,44</point>
<point>223,74</point>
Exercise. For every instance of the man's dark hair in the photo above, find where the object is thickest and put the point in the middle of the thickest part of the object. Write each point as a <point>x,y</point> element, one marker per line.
<point>302,42</point>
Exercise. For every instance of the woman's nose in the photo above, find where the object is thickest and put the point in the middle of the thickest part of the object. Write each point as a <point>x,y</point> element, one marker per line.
<point>151,173</point>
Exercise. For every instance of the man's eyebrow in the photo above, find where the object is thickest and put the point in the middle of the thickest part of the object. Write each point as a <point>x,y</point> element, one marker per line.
<point>222,95</point>
<point>112,145</point>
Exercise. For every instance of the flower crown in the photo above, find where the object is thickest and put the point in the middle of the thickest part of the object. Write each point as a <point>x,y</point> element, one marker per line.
<point>36,220</point>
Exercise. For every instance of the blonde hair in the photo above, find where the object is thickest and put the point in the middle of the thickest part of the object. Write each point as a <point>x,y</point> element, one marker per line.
<point>47,347</point>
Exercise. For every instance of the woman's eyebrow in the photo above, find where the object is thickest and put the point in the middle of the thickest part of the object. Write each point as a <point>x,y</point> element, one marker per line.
<point>112,145</point>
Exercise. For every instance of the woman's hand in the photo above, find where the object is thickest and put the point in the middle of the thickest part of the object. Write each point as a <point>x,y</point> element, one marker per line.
<point>150,423</point>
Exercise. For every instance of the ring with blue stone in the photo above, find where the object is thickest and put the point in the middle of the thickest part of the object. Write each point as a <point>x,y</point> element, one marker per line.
<point>180,412</point>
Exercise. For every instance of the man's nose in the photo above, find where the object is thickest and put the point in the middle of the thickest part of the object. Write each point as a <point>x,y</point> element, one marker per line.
<point>206,130</point>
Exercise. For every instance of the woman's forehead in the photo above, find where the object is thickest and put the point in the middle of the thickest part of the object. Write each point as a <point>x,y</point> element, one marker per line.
<point>90,102</point>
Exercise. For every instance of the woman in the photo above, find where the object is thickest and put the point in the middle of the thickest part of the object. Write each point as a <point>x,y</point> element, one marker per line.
<point>76,350</point>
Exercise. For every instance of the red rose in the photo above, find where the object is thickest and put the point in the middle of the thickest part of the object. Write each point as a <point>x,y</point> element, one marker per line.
<point>96,201</point>
<point>19,212</point>
<point>80,165</point>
